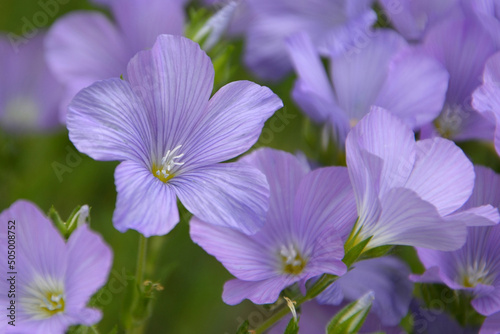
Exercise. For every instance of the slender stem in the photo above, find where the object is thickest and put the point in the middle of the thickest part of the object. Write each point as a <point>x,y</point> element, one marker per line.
<point>318,287</point>
<point>94,329</point>
<point>141,259</point>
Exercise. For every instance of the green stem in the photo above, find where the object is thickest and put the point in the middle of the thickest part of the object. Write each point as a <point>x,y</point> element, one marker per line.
<point>141,259</point>
<point>315,290</point>
<point>94,329</point>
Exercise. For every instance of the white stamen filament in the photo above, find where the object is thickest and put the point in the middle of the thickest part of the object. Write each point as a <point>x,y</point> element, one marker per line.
<point>290,255</point>
<point>168,162</point>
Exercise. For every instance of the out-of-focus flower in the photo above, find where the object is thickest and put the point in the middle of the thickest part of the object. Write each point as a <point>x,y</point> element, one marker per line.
<point>85,47</point>
<point>474,267</point>
<point>268,23</point>
<point>384,72</point>
<point>314,319</point>
<point>491,324</point>
<point>462,46</point>
<point>309,214</point>
<point>29,93</point>
<point>53,279</point>
<point>407,192</point>
<point>171,138</point>
<point>412,19</point>
<point>387,277</point>
<point>486,99</point>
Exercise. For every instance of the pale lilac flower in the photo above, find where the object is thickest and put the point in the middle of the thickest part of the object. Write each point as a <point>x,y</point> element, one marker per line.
<point>309,214</point>
<point>407,192</point>
<point>462,45</point>
<point>269,23</point>
<point>385,72</point>
<point>315,317</point>
<point>474,268</point>
<point>29,93</point>
<point>486,98</point>
<point>84,47</point>
<point>171,138</point>
<point>491,324</point>
<point>54,279</point>
<point>386,277</point>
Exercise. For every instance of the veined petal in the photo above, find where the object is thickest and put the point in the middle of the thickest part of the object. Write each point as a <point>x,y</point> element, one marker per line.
<point>284,173</point>
<point>415,88</point>
<point>324,200</point>
<point>89,264</point>
<point>174,80</point>
<point>442,175</point>
<point>491,324</point>
<point>142,22</point>
<point>232,123</point>
<point>486,187</point>
<point>406,219</point>
<point>243,256</point>
<point>259,292</point>
<point>107,121</point>
<point>144,203</point>
<point>232,195</point>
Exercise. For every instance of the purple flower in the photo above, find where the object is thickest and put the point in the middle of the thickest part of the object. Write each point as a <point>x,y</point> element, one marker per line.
<point>412,19</point>
<point>309,214</point>
<point>268,23</point>
<point>84,47</point>
<point>486,99</point>
<point>462,46</point>
<point>385,72</point>
<point>29,93</point>
<point>407,192</point>
<point>314,319</point>
<point>386,277</point>
<point>171,139</point>
<point>54,279</point>
<point>474,268</point>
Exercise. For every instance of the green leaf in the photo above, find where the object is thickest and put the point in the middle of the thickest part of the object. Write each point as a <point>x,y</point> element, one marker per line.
<point>243,329</point>
<point>377,252</point>
<point>353,254</point>
<point>350,319</point>
<point>292,327</point>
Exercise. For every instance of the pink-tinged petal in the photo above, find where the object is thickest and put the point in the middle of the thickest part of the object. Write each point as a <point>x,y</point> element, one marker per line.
<point>283,172</point>
<point>243,256</point>
<point>233,195</point>
<point>174,80</point>
<point>40,248</point>
<point>385,136</point>
<point>324,200</point>
<point>415,88</point>
<point>364,70</point>
<point>142,21</point>
<point>144,203</point>
<point>232,123</point>
<point>491,324</point>
<point>406,219</point>
<point>259,292</point>
<point>107,121</point>
<point>442,175</point>
<point>89,264</point>
<point>84,47</point>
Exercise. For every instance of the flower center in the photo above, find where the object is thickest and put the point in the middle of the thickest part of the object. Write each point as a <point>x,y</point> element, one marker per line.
<point>475,274</point>
<point>293,262</point>
<point>52,303</point>
<point>167,165</point>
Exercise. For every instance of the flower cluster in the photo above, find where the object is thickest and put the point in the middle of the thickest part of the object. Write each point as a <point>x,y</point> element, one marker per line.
<point>404,96</point>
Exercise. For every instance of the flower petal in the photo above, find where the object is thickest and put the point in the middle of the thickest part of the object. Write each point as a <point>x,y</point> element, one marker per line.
<point>89,264</point>
<point>406,219</point>
<point>491,324</point>
<point>243,256</point>
<point>442,175</point>
<point>232,123</point>
<point>144,203</point>
<point>260,292</point>
<point>232,195</point>
<point>107,121</point>
<point>174,79</point>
